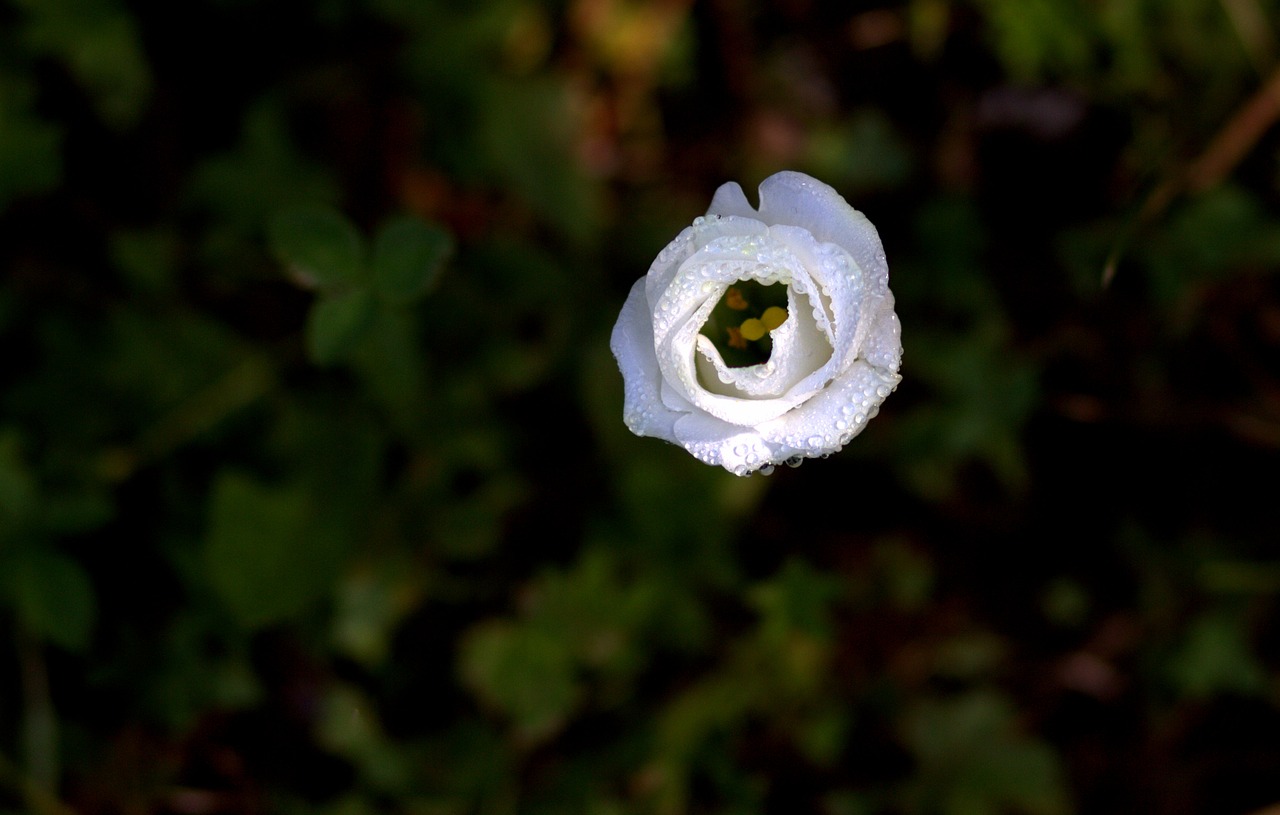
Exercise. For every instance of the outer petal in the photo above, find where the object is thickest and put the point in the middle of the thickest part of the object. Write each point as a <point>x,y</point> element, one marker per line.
<point>740,450</point>
<point>731,200</point>
<point>632,345</point>
<point>798,200</point>
<point>829,420</point>
<point>819,427</point>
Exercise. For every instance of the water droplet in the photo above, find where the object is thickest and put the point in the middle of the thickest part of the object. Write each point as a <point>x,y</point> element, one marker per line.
<point>813,441</point>
<point>766,470</point>
<point>740,450</point>
<point>841,425</point>
<point>794,461</point>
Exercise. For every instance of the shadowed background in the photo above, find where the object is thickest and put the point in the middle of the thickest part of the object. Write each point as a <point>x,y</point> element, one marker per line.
<point>314,490</point>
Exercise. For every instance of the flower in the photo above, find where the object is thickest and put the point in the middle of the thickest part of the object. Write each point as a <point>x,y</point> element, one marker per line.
<point>781,385</point>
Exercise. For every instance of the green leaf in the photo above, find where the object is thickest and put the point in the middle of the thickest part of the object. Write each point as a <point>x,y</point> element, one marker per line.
<point>320,247</point>
<point>18,490</point>
<point>524,671</point>
<point>52,596</point>
<point>100,46</point>
<point>1216,657</point>
<point>265,174</point>
<point>407,257</point>
<point>972,758</point>
<point>336,323</point>
<point>31,161</point>
<point>265,558</point>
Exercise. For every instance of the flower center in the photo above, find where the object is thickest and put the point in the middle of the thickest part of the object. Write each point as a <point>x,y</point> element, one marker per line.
<point>741,321</point>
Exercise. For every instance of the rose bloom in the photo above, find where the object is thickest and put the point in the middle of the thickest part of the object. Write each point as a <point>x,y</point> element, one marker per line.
<point>833,351</point>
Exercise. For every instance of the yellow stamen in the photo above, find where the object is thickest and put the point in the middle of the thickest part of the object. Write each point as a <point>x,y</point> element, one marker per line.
<point>752,329</point>
<point>773,317</point>
<point>734,299</point>
<point>735,339</point>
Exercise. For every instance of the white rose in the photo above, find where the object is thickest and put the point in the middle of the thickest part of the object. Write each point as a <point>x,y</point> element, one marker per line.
<point>835,349</point>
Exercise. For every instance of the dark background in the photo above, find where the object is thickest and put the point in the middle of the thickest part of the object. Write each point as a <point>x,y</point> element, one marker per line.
<point>314,490</point>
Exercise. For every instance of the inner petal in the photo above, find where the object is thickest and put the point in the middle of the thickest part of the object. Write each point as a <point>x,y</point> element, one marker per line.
<point>682,308</point>
<point>799,349</point>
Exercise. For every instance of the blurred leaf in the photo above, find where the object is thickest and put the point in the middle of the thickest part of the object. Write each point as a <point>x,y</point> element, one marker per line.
<point>336,324</point>
<point>1217,235</point>
<point>797,600</point>
<point>320,247</point>
<point>52,596</point>
<point>1037,38</point>
<point>525,135</point>
<point>348,725</point>
<point>392,363</point>
<point>265,173</point>
<point>984,397</point>
<point>99,43</point>
<point>369,603</point>
<point>18,490</point>
<point>860,155</point>
<point>524,671</point>
<point>407,258</point>
<point>903,575</point>
<point>974,762</point>
<point>146,256</point>
<point>1066,602</point>
<point>268,552</point>
<point>1215,657</point>
<point>70,512</point>
<point>31,159</point>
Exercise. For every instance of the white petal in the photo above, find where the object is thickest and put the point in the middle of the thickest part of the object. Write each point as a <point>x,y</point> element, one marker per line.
<point>828,421</point>
<point>731,200</point>
<point>882,346</point>
<point>632,345</point>
<point>799,200</point>
<point>819,427</point>
<point>740,450</point>
<point>693,238</point>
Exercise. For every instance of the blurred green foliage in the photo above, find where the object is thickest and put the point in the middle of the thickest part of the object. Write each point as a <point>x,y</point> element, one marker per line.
<point>314,490</point>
